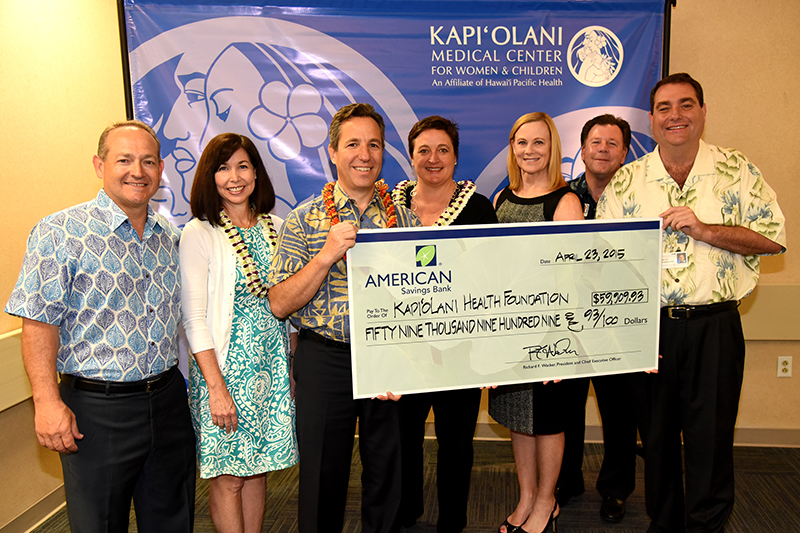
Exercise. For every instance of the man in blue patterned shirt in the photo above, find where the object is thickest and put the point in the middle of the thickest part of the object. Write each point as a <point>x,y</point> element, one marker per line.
<point>98,295</point>
<point>308,279</point>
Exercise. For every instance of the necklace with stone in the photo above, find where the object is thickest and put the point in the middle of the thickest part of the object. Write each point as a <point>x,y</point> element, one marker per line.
<point>461,195</point>
<point>252,277</point>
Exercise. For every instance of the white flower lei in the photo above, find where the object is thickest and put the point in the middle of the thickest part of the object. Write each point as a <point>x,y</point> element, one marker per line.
<point>464,190</point>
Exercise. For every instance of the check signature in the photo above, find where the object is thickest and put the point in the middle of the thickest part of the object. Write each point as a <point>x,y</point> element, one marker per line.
<point>559,348</point>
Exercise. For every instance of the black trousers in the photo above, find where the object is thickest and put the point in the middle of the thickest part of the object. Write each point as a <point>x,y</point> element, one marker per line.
<point>138,446</point>
<point>695,393</point>
<point>456,414</point>
<point>616,400</point>
<point>326,423</point>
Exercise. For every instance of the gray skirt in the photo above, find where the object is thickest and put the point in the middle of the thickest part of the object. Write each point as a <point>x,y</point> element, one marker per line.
<point>529,408</point>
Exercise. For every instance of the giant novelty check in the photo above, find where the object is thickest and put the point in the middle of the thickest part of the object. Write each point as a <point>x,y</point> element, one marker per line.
<point>467,306</point>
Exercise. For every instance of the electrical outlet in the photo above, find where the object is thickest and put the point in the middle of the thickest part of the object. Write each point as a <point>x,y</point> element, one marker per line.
<point>785,366</point>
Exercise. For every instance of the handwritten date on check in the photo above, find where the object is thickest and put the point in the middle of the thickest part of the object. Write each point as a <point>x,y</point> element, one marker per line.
<point>470,306</point>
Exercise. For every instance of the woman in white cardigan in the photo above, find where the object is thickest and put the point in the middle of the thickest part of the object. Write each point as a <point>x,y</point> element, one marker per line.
<point>240,397</point>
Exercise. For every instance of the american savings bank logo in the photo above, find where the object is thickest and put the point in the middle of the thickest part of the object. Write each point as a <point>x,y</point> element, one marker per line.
<point>426,255</point>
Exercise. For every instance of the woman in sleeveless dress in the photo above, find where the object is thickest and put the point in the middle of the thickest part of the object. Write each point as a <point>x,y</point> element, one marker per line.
<point>536,192</point>
<point>240,396</point>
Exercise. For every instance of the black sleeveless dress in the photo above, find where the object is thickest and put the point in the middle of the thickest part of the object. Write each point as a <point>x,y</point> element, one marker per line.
<point>513,406</point>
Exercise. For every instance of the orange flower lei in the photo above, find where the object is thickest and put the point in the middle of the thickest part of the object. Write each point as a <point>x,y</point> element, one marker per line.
<point>383,192</point>
<point>327,199</point>
<point>388,203</point>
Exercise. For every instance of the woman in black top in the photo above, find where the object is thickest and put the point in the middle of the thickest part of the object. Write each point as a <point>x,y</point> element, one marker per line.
<point>438,200</point>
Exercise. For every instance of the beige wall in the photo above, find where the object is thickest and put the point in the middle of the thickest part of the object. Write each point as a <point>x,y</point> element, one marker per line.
<point>62,84</point>
<point>31,480</point>
<point>744,52</point>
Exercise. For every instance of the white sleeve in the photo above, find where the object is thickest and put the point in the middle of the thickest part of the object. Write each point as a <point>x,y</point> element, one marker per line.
<point>195,258</point>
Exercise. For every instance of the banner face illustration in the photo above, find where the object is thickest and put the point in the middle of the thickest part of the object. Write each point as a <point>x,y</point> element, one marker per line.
<point>278,73</point>
<point>468,306</point>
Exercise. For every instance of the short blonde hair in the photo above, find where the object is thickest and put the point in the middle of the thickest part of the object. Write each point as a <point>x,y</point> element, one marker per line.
<point>553,166</point>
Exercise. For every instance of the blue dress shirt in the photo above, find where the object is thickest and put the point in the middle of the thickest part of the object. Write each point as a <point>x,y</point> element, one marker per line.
<point>115,297</point>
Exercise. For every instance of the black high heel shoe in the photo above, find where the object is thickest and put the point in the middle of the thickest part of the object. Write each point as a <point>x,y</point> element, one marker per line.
<point>510,528</point>
<point>551,524</point>
<point>550,527</point>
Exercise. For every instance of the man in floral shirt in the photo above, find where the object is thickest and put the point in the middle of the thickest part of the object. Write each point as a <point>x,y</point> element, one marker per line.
<point>718,215</point>
<point>308,283</point>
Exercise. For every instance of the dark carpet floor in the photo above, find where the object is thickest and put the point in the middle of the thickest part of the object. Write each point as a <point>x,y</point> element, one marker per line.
<point>767,496</point>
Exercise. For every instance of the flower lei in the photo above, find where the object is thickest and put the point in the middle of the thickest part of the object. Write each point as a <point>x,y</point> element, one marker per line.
<point>254,284</point>
<point>386,198</point>
<point>464,191</point>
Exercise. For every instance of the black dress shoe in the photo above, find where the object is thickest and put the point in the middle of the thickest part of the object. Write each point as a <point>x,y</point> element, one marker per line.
<point>408,523</point>
<point>563,494</point>
<point>612,509</point>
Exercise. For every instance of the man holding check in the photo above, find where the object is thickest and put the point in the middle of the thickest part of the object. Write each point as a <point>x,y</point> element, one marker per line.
<point>308,279</point>
<point>719,216</point>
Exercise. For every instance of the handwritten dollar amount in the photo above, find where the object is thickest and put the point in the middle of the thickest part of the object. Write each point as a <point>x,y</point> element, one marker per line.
<point>598,318</point>
<point>636,296</point>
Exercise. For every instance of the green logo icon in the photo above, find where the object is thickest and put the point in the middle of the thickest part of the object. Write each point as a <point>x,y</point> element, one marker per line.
<point>426,255</point>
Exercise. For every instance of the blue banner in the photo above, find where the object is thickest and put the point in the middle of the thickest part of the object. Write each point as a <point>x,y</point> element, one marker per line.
<point>278,73</point>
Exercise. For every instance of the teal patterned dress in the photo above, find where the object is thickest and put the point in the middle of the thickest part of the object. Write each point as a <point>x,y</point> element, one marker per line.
<point>257,374</point>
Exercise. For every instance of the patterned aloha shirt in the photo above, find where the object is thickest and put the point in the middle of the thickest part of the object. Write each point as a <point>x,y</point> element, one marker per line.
<point>723,187</point>
<point>302,237</point>
<point>115,298</point>
<point>581,188</point>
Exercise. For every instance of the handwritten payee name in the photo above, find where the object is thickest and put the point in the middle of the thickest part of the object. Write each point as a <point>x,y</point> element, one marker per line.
<point>428,306</point>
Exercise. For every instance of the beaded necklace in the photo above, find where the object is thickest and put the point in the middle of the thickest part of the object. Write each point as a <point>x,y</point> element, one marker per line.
<point>386,198</point>
<point>464,190</point>
<point>253,279</point>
